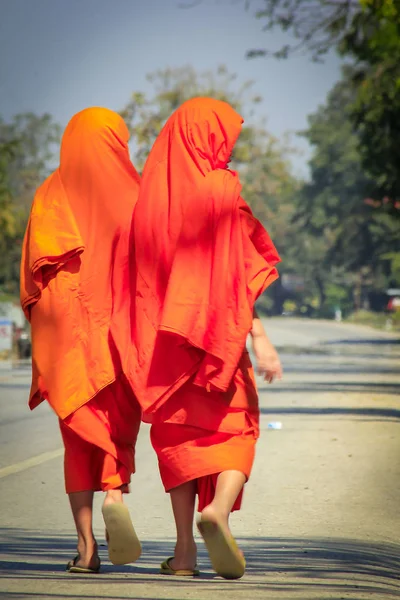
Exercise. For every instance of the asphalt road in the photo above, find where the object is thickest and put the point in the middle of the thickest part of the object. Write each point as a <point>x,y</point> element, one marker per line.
<point>321,516</point>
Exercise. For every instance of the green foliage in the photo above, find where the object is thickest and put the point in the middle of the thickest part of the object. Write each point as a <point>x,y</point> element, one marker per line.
<point>377,320</point>
<point>317,26</point>
<point>368,32</point>
<point>262,160</point>
<point>27,146</point>
<point>374,44</point>
<point>7,221</point>
<point>36,140</point>
<point>146,115</point>
<point>324,230</point>
<point>338,244</point>
<point>344,241</point>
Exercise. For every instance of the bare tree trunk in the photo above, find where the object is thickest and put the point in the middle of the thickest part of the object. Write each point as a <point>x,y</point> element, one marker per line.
<point>357,292</point>
<point>321,291</point>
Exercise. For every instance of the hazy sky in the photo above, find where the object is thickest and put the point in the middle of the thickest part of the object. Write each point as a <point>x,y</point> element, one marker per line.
<point>60,56</point>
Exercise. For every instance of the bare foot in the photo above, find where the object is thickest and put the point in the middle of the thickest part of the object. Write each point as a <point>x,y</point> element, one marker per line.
<point>211,514</point>
<point>113,497</point>
<point>88,557</point>
<point>185,556</point>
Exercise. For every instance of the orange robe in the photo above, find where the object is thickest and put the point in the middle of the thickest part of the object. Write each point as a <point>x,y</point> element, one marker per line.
<point>99,440</point>
<point>200,261</point>
<point>74,271</point>
<point>197,434</point>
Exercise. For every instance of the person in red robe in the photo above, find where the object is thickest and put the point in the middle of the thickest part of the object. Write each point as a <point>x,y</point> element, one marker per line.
<point>73,268</point>
<point>199,261</point>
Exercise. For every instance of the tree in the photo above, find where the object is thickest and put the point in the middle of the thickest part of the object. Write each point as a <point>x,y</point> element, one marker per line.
<point>27,146</point>
<point>374,44</point>
<point>263,161</point>
<point>317,26</point>
<point>349,244</point>
<point>36,141</point>
<point>367,32</point>
<point>7,221</point>
<point>271,191</point>
<point>145,116</point>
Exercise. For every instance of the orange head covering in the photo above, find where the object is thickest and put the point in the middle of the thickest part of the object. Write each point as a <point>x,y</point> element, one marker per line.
<point>201,256</point>
<point>78,204</point>
<point>74,259</point>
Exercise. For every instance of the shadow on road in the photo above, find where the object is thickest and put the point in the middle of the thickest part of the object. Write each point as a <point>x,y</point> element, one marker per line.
<point>297,367</point>
<point>284,566</point>
<point>369,387</point>
<point>363,341</point>
<point>376,414</point>
<point>15,386</point>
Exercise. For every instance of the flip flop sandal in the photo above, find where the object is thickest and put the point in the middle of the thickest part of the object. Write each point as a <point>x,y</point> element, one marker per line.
<point>123,544</point>
<point>225,556</point>
<point>73,568</point>
<point>166,569</point>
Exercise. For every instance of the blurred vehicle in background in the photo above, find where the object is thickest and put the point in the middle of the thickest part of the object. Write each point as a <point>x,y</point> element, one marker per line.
<point>24,344</point>
<point>393,304</point>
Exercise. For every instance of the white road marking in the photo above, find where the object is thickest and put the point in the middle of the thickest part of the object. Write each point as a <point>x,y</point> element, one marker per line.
<point>30,462</point>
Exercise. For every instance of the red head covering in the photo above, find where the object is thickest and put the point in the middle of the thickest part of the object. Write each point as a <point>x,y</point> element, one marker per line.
<point>201,257</point>
<point>74,257</point>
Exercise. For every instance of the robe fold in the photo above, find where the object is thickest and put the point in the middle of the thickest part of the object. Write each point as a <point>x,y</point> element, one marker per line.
<point>74,270</point>
<point>199,261</point>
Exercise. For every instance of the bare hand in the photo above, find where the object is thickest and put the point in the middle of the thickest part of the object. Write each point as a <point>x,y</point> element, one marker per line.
<point>268,363</point>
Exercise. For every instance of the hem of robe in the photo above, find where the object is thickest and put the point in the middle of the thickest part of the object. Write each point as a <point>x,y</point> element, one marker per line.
<point>198,434</point>
<point>99,440</point>
<point>217,462</point>
<point>206,491</point>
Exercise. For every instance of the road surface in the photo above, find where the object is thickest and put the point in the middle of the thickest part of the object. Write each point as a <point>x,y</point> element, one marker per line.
<point>321,515</point>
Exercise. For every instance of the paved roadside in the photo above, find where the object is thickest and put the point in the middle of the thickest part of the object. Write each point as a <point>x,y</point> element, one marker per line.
<point>321,515</point>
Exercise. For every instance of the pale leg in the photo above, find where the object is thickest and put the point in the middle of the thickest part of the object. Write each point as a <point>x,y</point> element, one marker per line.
<point>229,486</point>
<point>82,510</point>
<point>183,502</point>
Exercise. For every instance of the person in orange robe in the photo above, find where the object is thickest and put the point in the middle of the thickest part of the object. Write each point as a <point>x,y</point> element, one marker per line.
<point>200,260</point>
<point>74,270</point>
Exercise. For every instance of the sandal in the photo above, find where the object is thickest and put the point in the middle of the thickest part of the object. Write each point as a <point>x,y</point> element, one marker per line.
<point>166,569</point>
<point>72,567</point>
<point>123,544</point>
<point>226,558</point>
